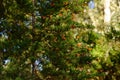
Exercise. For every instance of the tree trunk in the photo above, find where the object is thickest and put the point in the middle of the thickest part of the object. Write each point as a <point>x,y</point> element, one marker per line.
<point>107,16</point>
<point>107,13</point>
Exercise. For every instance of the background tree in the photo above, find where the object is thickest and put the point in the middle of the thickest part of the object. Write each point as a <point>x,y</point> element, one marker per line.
<point>58,40</point>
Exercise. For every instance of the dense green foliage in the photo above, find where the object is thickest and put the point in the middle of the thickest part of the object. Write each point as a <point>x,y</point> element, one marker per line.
<point>47,30</point>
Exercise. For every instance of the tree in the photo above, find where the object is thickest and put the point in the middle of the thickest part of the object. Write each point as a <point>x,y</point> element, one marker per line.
<point>56,40</point>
